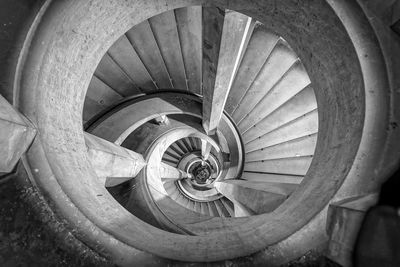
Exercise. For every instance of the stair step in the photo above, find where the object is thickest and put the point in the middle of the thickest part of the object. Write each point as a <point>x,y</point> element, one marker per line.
<point>182,146</point>
<point>99,96</point>
<point>165,32</point>
<point>303,146</point>
<point>228,206</point>
<point>293,166</point>
<point>220,208</point>
<point>177,149</point>
<point>260,46</point>
<point>142,39</point>
<point>193,143</point>
<point>186,203</point>
<point>189,24</point>
<point>111,73</point>
<point>272,178</point>
<point>197,206</point>
<point>123,53</point>
<point>172,154</point>
<point>170,160</point>
<point>204,208</point>
<point>192,205</point>
<point>187,145</point>
<point>276,188</point>
<point>301,127</point>
<point>213,211</point>
<point>303,103</point>
<point>293,81</point>
<point>273,71</point>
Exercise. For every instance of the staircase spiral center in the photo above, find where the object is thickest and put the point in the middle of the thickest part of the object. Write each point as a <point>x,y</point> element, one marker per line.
<point>202,172</point>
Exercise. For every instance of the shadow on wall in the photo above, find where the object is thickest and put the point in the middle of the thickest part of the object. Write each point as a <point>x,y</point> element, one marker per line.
<point>378,243</point>
<point>25,237</point>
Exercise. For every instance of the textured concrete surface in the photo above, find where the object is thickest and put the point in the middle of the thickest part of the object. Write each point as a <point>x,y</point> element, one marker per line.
<point>344,221</point>
<point>234,34</point>
<point>113,164</point>
<point>15,17</point>
<point>62,138</point>
<point>26,241</point>
<point>67,68</point>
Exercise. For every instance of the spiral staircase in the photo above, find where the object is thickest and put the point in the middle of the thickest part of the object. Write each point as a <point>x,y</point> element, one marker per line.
<point>210,132</point>
<point>271,104</point>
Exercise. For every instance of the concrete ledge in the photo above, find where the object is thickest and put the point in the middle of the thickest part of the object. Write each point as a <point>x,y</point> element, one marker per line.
<point>344,221</point>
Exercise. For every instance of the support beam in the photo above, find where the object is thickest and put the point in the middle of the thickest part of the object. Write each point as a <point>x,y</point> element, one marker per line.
<point>205,149</point>
<point>240,210</point>
<point>237,29</point>
<point>16,135</point>
<point>112,163</point>
<point>254,199</point>
<point>162,120</point>
<point>213,21</point>
<point>170,173</point>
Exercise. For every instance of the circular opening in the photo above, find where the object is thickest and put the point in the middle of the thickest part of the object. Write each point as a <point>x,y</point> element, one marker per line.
<point>70,49</point>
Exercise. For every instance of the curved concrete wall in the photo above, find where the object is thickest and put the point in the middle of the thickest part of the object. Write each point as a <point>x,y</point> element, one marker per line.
<point>67,47</point>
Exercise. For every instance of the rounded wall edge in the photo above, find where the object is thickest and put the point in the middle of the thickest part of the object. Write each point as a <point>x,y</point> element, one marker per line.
<point>282,243</point>
<point>389,43</point>
<point>367,172</point>
<point>383,67</point>
<point>16,21</point>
